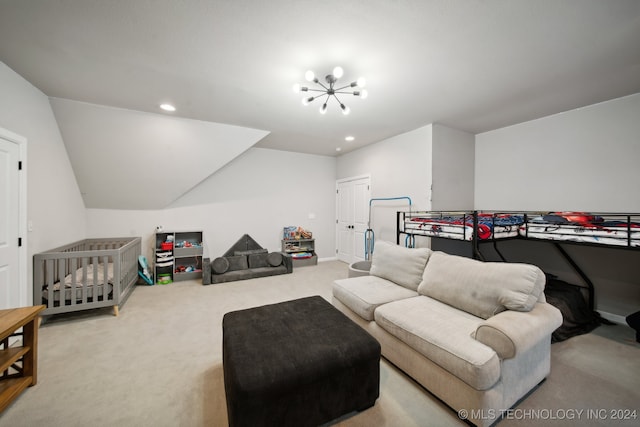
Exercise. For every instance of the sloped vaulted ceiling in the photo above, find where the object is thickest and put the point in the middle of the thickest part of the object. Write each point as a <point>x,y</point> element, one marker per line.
<point>126,159</point>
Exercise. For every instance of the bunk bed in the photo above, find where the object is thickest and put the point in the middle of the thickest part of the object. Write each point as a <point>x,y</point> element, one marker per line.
<point>618,230</point>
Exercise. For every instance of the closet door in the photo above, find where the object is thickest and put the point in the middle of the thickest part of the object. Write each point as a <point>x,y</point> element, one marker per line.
<point>10,292</point>
<point>352,216</point>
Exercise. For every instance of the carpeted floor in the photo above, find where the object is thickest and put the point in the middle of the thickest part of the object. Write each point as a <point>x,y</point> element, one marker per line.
<point>160,364</point>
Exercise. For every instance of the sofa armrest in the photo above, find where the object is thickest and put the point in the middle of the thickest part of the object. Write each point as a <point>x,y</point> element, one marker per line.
<point>287,261</point>
<point>206,271</point>
<point>510,332</point>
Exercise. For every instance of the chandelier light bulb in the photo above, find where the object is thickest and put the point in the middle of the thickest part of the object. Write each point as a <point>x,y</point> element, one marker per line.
<point>309,76</point>
<point>338,72</point>
<point>296,88</point>
<point>323,108</point>
<point>345,110</point>
<point>364,93</point>
<point>361,82</point>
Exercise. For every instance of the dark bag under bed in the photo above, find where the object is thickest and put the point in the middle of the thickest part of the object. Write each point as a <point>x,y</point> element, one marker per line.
<point>577,317</point>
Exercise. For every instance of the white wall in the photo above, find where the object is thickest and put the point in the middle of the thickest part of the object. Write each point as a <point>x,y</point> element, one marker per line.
<point>258,193</point>
<point>581,160</point>
<point>54,204</point>
<point>453,169</point>
<point>399,166</point>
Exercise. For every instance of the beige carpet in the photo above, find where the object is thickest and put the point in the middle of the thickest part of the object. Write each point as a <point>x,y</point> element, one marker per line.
<point>159,364</point>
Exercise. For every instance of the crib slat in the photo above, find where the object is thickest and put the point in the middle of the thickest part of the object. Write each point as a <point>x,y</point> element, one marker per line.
<point>105,278</point>
<point>94,262</point>
<point>49,281</point>
<point>62,273</point>
<point>85,266</point>
<point>73,266</point>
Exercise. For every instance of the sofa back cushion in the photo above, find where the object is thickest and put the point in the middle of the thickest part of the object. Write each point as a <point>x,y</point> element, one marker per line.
<point>481,288</point>
<point>237,262</point>
<point>257,260</point>
<point>251,251</point>
<point>403,266</point>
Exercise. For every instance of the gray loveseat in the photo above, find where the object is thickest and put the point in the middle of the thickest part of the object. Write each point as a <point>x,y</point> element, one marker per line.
<point>477,335</point>
<point>246,259</point>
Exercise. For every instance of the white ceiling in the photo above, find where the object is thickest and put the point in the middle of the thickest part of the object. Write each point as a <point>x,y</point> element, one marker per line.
<point>470,64</point>
<point>127,159</point>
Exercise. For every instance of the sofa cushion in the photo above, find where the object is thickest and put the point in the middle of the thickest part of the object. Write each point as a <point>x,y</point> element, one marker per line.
<point>274,259</point>
<point>238,262</point>
<point>269,271</point>
<point>258,260</point>
<point>363,294</point>
<point>481,288</point>
<point>442,334</point>
<point>220,265</point>
<point>401,265</point>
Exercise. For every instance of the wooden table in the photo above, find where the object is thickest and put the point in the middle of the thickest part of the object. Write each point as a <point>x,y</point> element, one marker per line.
<point>18,365</point>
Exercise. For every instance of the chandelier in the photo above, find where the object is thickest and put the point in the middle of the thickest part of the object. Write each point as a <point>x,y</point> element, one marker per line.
<point>330,90</point>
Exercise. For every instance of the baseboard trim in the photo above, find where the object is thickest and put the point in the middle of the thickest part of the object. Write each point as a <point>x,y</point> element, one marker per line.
<point>615,318</point>
<point>327,259</point>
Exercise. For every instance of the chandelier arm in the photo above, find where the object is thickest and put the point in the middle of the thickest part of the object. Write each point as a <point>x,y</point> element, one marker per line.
<point>320,84</point>
<point>319,97</point>
<point>316,90</point>
<point>348,93</point>
<point>339,102</point>
<point>343,87</point>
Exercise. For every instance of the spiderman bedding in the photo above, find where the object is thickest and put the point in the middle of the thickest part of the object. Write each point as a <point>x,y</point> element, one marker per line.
<point>609,229</point>
<point>460,227</point>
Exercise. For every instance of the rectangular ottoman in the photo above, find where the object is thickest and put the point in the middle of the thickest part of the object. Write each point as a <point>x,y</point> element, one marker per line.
<point>297,363</point>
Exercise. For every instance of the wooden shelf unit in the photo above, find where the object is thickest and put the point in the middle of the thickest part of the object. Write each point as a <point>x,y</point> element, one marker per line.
<point>11,320</point>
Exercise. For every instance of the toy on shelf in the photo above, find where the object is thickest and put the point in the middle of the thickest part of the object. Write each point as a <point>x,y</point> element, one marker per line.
<point>187,244</point>
<point>185,269</point>
<point>296,233</point>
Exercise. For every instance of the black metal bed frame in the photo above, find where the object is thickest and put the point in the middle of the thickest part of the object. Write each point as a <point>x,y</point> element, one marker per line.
<point>475,241</point>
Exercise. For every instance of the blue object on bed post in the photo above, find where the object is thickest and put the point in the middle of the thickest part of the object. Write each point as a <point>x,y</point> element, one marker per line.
<point>369,238</point>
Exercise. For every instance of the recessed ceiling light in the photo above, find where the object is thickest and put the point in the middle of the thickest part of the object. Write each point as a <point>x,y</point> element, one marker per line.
<point>338,149</point>
<point>168,107</point>
<point>349,138</point>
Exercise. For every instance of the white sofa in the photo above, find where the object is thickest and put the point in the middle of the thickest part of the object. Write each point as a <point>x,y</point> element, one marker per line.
<point>475,334</point>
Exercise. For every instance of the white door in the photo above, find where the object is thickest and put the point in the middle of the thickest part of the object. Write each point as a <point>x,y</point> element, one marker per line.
<point>10,275</point>
<point>352,205</point>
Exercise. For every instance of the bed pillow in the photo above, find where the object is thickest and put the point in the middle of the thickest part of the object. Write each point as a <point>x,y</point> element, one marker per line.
<point>274,259</point>
<point>220,265</point>
<point>403,266</point>
<point>481,288</point>
<point>237,262</point>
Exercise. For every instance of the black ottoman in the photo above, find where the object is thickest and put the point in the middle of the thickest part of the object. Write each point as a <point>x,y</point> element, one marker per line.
<point>297,363</point>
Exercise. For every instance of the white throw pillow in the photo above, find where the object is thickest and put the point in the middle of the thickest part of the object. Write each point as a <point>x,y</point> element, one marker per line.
<point>481,288</point>
<point>403,266</point>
